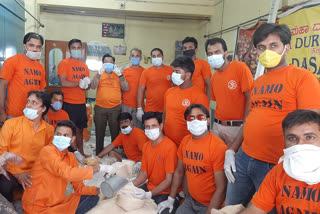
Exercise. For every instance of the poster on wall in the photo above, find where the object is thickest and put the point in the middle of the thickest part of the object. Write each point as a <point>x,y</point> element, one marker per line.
<point>113,30</point>
<point>305,41</point>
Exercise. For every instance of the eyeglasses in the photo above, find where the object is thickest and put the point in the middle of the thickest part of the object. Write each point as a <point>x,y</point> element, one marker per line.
<point>198,117</point>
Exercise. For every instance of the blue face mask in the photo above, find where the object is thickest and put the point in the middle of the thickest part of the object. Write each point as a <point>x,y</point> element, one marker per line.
<point>56,106</point>
<point>109,67</point>
<point>61,142</point>
<point>157,61</point>
<point>31,114</point>
<point>75,53</point>
<point>135,60</point>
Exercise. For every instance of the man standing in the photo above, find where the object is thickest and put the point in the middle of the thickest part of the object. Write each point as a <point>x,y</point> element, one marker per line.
<point>178,98</point>
<point>132,75</point>
<point>156,79</point>
<point>55,113</point>
<point>281,90</point>
<point>109,83</point>
<point>202,72</point>
<point>74,79</point>
<point>21,74</point>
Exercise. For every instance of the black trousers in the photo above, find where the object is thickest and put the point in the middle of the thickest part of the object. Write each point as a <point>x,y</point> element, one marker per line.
<point>8,186</point>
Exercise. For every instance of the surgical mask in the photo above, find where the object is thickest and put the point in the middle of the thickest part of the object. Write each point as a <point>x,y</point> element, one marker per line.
<point>302,162</point>
<point>176,79</point>
<point>135,60</point>
<point>189,53</point>
<point>109,67</point>
<point>33,55</point>
<point>56,106</point>
<point>152,134</point>
<point>61,142</point>
<point>157,61</point>
<point>197,127</point>
<point>30,113</point>
<point>75,53</point>
<point>126,130</point>
<point>216,61</point>
<point>270,59</point>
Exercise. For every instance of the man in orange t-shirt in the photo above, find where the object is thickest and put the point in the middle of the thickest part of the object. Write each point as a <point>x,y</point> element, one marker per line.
<point>200,158</point>
<point>273,95</point>
<point>156,79</point>
<point>159,160</point>
<point>25,136</point>
<point>132,75</point>
<point>109,83</point>
<point>178,98</point>
<point>20,74</point>
<point>202,72</point>
<point>55,113</point>
<point>74,79</point>
<point>293,186</point>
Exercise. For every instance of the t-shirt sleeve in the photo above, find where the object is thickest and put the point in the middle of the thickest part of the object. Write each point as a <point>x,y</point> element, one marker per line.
<point>246,78</point>
<point>206,70</point>
<point>5,136</point>
<point>141,140</point>
<point>61,68</point>
<point>8,69</point>
<point>307,89</point>
<point>203,99</point>
<point>181,149</point>
<point>43,83</point>
<point>144,158</point>
<point>219,151</point>
<point>171,160</point>
<point>143,80</point>
<point>212,93</point>
<point>118,141</point>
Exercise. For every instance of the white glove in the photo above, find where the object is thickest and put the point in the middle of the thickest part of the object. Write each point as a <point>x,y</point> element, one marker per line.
<point>230,164</point>
<point>83,84</point>
<point>102,69</point>
<point>137,167</point>
<point>140,194</point>
<point>140,113</point>
<point>166,204</point>
<point>108,169</point>
<point>79,157</point>
<point>117,71</point>
<point>87,80</point>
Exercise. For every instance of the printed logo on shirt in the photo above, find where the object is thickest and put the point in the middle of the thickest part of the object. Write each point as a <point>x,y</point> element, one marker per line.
<point>232,84</point>
<point>169,77</point>
<point>77,76</point>
<point>32,72</point>
<point>195,156</point>
<point>185,103</point>
<point>267,89</point>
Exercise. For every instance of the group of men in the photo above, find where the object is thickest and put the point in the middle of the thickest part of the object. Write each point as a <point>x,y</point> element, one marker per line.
<point>255,123</point>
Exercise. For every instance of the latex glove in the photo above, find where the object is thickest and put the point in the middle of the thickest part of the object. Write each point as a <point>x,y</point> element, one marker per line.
<point>87,80</point>
<point>83,84</point>
<point>108,169</point>
<point>117,71</point>
<point>230,164</point>
<point>79,157</point>
<point>137,167</point>
<point>166,204</point>
<point>142,194</point>
<point>140,113</point>
<point>102,69</point>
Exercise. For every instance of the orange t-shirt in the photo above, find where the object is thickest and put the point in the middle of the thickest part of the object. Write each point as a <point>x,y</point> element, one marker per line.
<point>132,143</point>
<point>156,81</point>
<point>273,96</point>
<point>108,91</point>
<point>18,136</point>
<point>201,159</point>
<point>24,75</point>
<point>287,194</point>
<point>159,160</point>
<point>176,101</point>
<point>227,88</point>
<point>132,75</point>
<point>74,70</point>
<point>54,118</point>
<point>50,175</point>
<point>202,71</point>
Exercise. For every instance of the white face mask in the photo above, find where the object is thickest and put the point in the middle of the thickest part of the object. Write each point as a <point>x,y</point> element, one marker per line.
<point>176,79</point>
<point>197,127</point>
<point>33,55</point>
<point>31,114</point>
<point>157,61</point>
<point>126,130</point>
<point>152,134</point>
<point>61,142</point>
<point>216,61</point>
<point>302,162</point>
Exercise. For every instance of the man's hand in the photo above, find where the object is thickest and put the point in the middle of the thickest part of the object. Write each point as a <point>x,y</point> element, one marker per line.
<point>166,204</point>
<point>110,170</point>
<point>137,167</point>
<point>140,113</point>
<point>23,178</point>
<point>3,116</point>
<point>117,71</point>
<point>12,157</point>
<point>140,194</point>
<point>230,164</point>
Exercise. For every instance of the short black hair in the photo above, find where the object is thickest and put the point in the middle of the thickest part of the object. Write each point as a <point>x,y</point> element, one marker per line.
<point>156,49</point>
<point>32,35</point>
<point>57,93</point>
<point>299,117</point>
<point>67,123</point>
<point>214,41</point>
<point>192,106</point>
<point>152,114</point>
<point>265,29</point>
<point>124,116</point>
<point>185,63</point>
<point>44,98</point>
<point>73,41</point>
<point>108,55</point>
<point>191,39</point>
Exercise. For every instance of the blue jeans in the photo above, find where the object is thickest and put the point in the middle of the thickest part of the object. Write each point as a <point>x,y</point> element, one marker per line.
<point>86,203</point>
<point>249,175</point>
